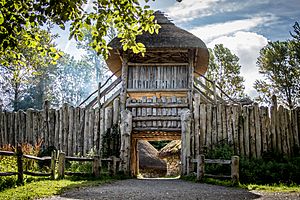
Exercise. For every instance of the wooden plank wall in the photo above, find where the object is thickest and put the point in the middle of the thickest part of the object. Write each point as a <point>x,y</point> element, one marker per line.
<point>157,113</point>
<point>73,130</point>
<point>158,77</point>
<point>251,130</point>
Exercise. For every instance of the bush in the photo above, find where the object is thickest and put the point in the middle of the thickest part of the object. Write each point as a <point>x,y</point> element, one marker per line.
<point>272,168</point>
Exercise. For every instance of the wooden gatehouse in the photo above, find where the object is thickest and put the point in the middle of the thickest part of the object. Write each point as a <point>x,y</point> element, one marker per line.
<point>157,88</point>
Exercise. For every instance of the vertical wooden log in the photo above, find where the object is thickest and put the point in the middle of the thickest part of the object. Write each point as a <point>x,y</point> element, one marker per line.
<point>268,130</point>
<point>108,118</point>
<point>46,126</point>
<point>76,133</point>
<point>61,165</point>
<point>71,131</point>
<point>149,113</point>
<point>116,111</point>
<point>224,122</point>
<point>81,131</point>
<point>264,136</point>
<point>296,128</point>
<point>96,166</point>
<point>246,131</point>
<point>214,125</point>
<point>57,123</point>
<point>200,167</point>
<point>208,126</point>
<point>289,133</point>
<point>123,95</point>
<point>235,128</point>
<point>273,123</point>
<point>96,129</point>
<point>191,55</point>
<point>185,139</point>
<point>35,138</point>
<point>90,136</point>
<point>65,127</point>
<point>219,123</point>
<point>202,126</point>
<point>53,164</point>
<point>154,111</point>
<point>86,131</point>
<point>241,115</point>
<point>235,169</point>
<point>252,132</point>
<point>279,129</point>
<point>283,128</point>
<point>61,129</point>
<point>229,124</point>
<point>197,123</point>
<point>257,130</point>
<point>125,129</point>
<point>51,127</point>
<point>5,128</point>
<point>20,165</point>
<point>1,127</point>
<point>102,131</point>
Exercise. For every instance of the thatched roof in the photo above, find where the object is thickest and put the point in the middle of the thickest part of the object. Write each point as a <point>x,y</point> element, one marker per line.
<point>172,148</point>
<point>169,36</point>
<point>148,157</point>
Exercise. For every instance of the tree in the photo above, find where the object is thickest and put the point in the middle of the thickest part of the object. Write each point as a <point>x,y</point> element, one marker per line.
<point>279,65</point>
<point>16,78</point>
<point>20,17</point>
<point>224,68</point>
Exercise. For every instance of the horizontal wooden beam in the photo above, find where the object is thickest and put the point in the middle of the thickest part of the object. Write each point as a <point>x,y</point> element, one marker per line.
<point>157,64</point>
<point>214,161</point>
<point>216,176</point>
<point>160,118</point>
<point>157,105</point>
<point>36,173</point>
<point>158,129</point>
<point>8,173</point>
<point>158,90</point>
<point>7,153</point>
<point>70,158</point>
<point>37,158</point>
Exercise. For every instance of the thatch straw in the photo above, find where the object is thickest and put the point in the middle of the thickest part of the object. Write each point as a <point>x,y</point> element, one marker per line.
<point>172,148</point>
<point>169,37</point>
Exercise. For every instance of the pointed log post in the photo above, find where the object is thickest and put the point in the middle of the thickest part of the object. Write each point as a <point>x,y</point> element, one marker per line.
<point>200,167</point>
<point>123,94</point>
<point>20,165</point>
<point>125,128</point>
<point>53,163</point>
<point>61,165</point>
<point>235,163</point>
<point>186,119</point>
<point>96,166</point>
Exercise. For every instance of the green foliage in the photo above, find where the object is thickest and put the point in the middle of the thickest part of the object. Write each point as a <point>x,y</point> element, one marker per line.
<point>224,68</point>
<point>111,142</point>
<point>279,64</point>
<point>21,17</point>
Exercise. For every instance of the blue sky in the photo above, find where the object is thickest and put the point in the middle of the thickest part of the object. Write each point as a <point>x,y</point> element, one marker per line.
<point>244,26</point>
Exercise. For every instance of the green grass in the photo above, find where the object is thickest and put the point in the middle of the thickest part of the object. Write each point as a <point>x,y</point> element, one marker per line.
<point>45,188</point>
<point>228,183</point>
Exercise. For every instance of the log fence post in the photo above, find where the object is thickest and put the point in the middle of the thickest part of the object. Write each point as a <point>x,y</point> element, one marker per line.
<point>200,167</point>
<point>114,165</point>
<point>53,164</point>
<point>96,166</point>
<point>61,165</point>
<point>235,161</point>
<point>20,165</point>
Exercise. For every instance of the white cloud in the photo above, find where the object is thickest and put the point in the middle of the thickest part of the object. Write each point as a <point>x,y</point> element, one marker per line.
<point>246,45</point>
<point>188,10</point>
<point>212,31</point>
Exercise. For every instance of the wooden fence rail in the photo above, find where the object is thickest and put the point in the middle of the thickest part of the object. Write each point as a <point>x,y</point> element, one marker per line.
<point>62,158</point>
<point>201,161</point>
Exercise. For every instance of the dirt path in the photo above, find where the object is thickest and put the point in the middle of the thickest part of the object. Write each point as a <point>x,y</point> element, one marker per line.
<point>166,189</point>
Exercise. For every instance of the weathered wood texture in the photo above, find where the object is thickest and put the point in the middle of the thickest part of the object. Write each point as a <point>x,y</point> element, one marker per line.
<point>250,130</point>
<point>72,130</point>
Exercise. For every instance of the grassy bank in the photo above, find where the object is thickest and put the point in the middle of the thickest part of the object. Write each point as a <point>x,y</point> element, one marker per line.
<point>45,188</point>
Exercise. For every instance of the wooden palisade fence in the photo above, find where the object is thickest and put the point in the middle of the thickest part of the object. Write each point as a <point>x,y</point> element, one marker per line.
<point>201,161</point>
<point>113,164</point>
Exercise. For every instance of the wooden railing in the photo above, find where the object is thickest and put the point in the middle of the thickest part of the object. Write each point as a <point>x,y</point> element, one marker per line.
<point>20,159</point>
<point>113,164</point>
<point>96,167</point>
<point>201,161</point>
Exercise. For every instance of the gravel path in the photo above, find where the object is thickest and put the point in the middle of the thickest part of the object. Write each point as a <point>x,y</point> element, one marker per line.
<point>166,189</point>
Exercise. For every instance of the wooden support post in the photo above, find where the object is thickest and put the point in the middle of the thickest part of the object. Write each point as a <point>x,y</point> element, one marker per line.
<point>235,162</point>
<point>99,95</point>
<point>200,167</point>
<point>215,92</point>
<point>186,119</point>
<point>61,165</point>
<point>114,165</point>
<point>20,165</point>
<point>96,166</point>
<point>53,163</point>
<point>123,94</point>
<point>125,129</point>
